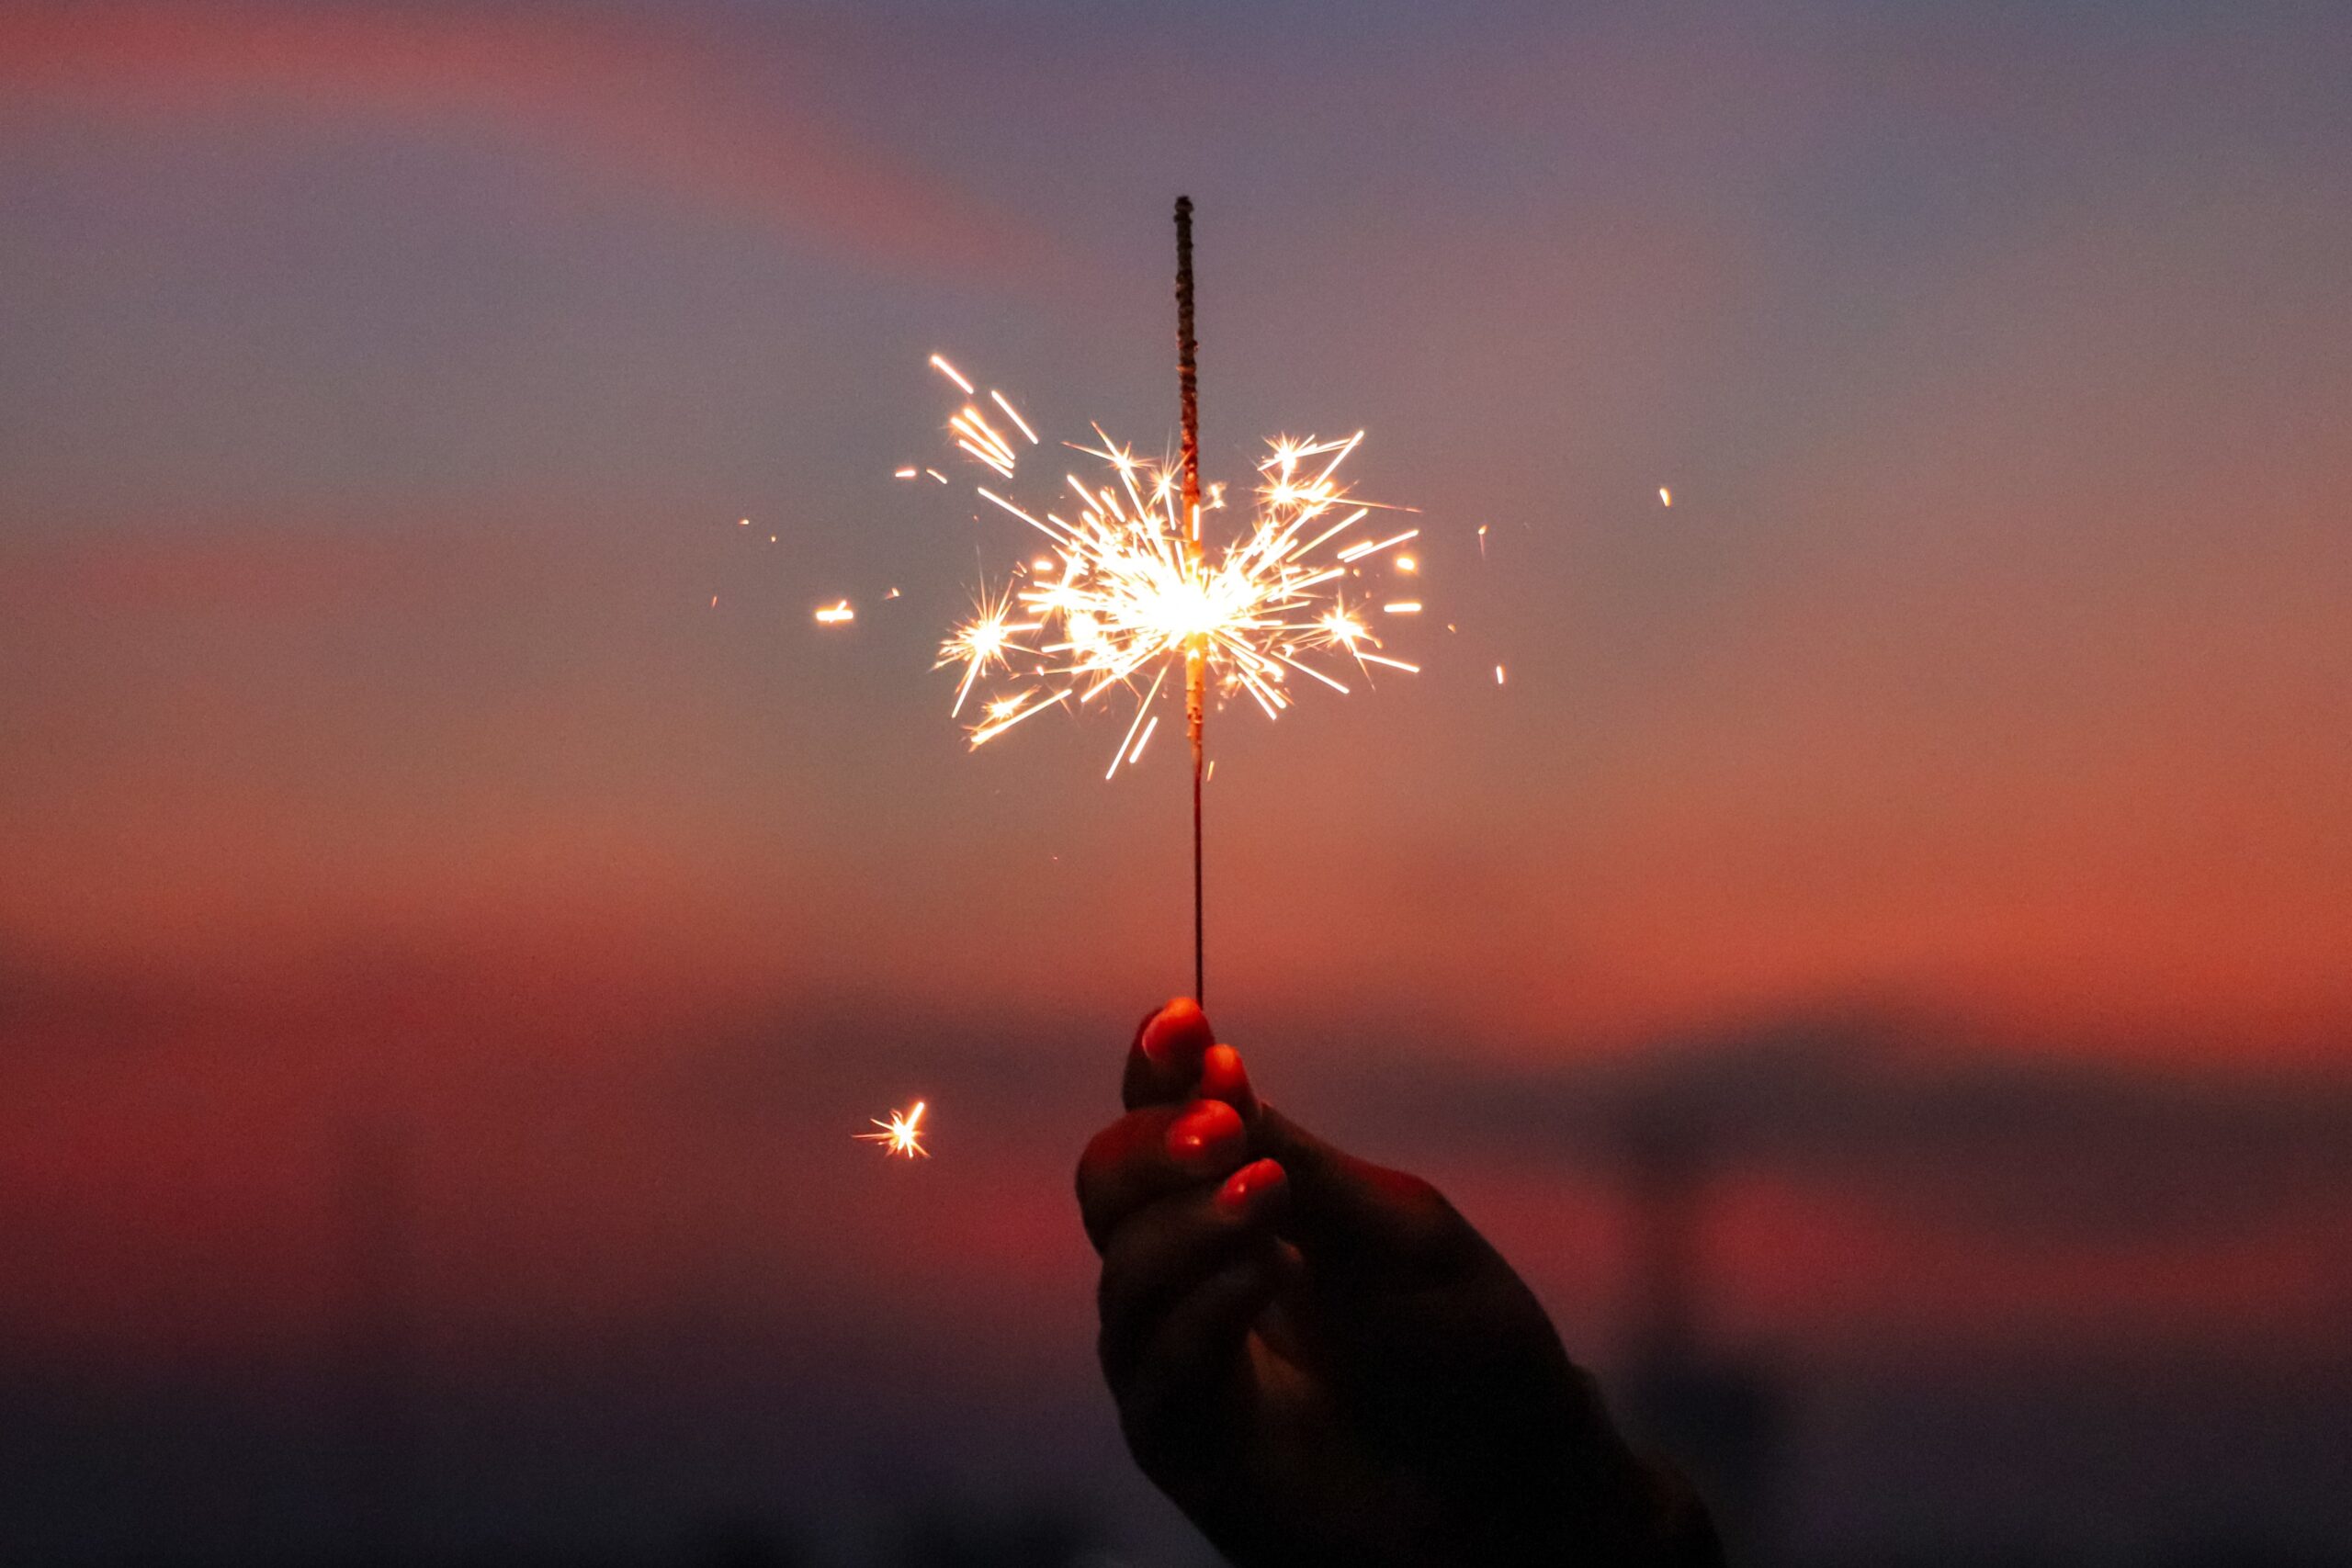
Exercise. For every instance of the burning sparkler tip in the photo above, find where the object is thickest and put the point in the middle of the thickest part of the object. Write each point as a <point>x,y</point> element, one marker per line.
<point>1127,595</point>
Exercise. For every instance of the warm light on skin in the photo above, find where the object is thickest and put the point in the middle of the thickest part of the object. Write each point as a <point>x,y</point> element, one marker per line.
<point>901,1134</point>
<point>1122,597</point>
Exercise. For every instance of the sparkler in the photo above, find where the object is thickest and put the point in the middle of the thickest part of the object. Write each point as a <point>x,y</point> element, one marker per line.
<point>901,1134</point>
<point>1130,593</point>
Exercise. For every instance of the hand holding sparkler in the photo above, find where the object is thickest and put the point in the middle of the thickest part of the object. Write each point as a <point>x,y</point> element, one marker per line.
<point>1320,1361</point>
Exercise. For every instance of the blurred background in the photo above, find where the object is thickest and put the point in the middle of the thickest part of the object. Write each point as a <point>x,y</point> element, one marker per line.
<point>1877,964</point>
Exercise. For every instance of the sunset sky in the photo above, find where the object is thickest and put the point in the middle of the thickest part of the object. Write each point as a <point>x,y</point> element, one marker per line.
<point>1966,750</point>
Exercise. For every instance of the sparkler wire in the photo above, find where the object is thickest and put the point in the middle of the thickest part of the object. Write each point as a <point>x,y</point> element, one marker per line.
<point>1196,647</point>
<point>1128,583</point>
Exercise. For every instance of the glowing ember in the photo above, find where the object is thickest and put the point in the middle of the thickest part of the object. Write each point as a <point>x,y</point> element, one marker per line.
<point>901,1134</point>
<point>836,614</point>
<point>1665,496</point>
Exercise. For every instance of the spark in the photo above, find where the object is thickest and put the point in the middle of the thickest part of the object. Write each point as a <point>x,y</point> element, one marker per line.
<point>901,1134</point>
<point>906,474</point>
<point>952,373</point>
<point>984,640</point>
<point>1499,675</point>
<point>1357,552</point>
<point>1121,595</point>
<point>1665,496</point>
<point>1013,414</point>
<point>1401,607</point>
<point>836,614</point>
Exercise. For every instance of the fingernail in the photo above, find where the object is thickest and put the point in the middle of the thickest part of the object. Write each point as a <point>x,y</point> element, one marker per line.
<point>1207,1136</point>
<point>1253,1189</point>
<point>1173,1027</point>
<point>1224,1078</point>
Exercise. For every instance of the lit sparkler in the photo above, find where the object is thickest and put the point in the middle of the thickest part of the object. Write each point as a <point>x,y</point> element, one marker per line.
<point>901,1134</point>
<point>1130,593</point>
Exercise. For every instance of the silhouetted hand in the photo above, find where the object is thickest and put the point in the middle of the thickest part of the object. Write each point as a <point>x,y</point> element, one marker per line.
<point>1321,1362</point>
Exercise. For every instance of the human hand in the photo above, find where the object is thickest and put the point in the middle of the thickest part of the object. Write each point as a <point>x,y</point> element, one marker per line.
<point>1320,1361</point>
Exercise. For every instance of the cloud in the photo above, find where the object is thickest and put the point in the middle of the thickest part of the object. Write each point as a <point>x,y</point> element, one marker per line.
<point>719,117</point>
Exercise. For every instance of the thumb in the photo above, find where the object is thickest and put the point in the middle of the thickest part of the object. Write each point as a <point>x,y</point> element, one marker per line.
<point>1349,1215</point>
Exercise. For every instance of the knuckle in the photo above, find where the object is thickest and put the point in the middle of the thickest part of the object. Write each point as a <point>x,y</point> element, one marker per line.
<point>1428,1224</point>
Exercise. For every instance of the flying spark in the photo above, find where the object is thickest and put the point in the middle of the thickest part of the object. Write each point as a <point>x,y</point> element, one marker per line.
<point>1665,496</point>
<point>901,1134</point>
<point>1121,594</point>
<point>836,614</point>
<point>951,373</point>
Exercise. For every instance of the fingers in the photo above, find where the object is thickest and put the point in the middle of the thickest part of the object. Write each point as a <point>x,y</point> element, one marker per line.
<point>1150,1153</point>
<point>1193,1375</point>
<point>1169,1248</point>
<point>1164,1062</point>
<point>1178,1302</point>
<point>1224,1078</point>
